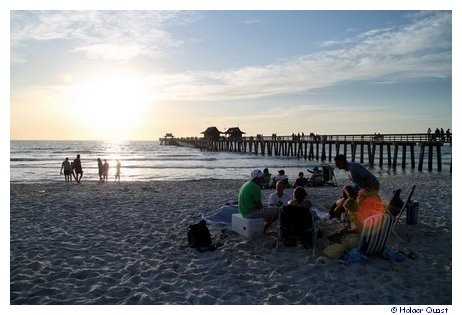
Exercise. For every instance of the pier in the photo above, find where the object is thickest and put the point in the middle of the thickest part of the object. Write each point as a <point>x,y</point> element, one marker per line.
<point>381,149</point>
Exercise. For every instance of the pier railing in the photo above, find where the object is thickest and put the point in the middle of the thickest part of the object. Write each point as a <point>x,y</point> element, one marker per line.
<point>410,137</point>
<point>367,147</point>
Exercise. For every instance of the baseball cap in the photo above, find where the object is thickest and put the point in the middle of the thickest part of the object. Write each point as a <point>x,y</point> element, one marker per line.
<point>254,174</point>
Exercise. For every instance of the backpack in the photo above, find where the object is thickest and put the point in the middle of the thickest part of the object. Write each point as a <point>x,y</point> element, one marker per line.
<point>412,211</point>
<point>199,237</point>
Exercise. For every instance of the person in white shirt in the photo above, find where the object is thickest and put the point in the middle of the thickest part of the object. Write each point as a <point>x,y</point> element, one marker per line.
<point>279,197</point>
<point>281,176</point>
<point>117,174</point>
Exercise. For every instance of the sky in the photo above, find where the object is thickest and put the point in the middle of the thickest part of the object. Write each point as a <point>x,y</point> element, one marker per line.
<point>136,75</point>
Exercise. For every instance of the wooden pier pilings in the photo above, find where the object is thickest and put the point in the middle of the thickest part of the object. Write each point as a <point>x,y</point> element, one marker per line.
<point>384,149</point>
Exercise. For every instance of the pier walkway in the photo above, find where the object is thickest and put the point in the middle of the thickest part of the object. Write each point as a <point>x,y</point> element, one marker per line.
<point>369,148</point>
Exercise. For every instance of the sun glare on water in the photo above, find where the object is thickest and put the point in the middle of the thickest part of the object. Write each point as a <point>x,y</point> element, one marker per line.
<point>112,106</point>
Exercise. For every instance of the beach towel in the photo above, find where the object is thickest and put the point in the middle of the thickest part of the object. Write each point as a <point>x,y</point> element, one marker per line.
<point>321,214</point>
<point>222,215</point>
<point>354,256</point>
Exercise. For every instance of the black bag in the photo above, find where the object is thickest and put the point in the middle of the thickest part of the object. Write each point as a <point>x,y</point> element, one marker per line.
<point>412,212</point>
<point>199,237</point>
<point>296,224</point>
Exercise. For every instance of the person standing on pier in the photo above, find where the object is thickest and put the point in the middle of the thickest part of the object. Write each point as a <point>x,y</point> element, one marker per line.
<point>448,135</point>
<point>366,184</point>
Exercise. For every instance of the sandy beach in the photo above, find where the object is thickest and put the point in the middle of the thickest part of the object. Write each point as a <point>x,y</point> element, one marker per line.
<point>126,243</point>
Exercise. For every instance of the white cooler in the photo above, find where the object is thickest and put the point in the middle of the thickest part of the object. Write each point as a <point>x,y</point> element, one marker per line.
<point>249,228</point>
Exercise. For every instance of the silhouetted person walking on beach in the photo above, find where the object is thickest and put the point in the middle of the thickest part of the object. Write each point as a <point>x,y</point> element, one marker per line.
<point>72,171</point>
<point>105,170</point>
<point>67,170</point>
<point>117,174</point>
<point>78,169</point>
<point>100,169</point>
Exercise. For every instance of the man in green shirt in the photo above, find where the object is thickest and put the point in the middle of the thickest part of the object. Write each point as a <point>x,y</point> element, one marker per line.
<point>250,205</point>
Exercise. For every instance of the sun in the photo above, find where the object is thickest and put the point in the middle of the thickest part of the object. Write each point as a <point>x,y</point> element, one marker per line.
<point>114,105</point>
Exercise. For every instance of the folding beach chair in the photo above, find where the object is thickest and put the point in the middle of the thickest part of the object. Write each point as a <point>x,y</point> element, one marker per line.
<point>408,200</point>
<point>398,217</point>
<point>297,224</point>
<point>375,233</point>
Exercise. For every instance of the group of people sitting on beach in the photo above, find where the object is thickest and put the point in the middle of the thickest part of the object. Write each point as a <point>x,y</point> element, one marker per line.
<point>269,181</point>
<point>356,204</point>
<point>74,170</point>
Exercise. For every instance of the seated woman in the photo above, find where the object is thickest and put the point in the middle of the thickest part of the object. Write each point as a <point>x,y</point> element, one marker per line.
<point>348,192</point>
<point>299,198</point>
<point>297,221</point>
<point>349,233</point>
<point>347,236</point>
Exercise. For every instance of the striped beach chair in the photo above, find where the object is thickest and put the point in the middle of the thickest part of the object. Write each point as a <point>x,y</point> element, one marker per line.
<point>375,233</point>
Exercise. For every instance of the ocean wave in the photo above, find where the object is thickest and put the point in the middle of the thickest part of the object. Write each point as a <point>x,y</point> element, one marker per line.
<point>25,159</point>
<point>161,158</point>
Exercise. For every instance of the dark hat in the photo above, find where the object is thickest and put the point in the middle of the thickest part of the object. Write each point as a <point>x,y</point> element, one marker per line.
<point>281,172</point>
<point>340,158</point>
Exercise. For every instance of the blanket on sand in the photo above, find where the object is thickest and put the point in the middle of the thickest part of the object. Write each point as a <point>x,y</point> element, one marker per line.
<point>222,215</point>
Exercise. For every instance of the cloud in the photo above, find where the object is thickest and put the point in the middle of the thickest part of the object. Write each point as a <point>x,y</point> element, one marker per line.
<point>251,21</point>
<point>98,33</point>
<point>115,51</point>
<point>419,50</point>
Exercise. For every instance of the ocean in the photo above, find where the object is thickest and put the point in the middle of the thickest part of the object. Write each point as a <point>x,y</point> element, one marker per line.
<point>40,161</point>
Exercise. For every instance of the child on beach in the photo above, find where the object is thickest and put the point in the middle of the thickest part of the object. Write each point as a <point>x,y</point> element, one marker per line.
<point>72,172</point>
<point>338,207</point>
<point>347,236</point>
